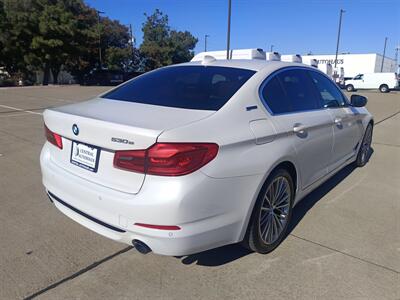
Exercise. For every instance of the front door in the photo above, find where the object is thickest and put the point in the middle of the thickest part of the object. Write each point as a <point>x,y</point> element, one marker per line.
<point>345,124</point>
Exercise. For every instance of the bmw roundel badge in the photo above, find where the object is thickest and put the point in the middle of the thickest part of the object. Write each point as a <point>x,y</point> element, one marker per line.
<point>75,129</point>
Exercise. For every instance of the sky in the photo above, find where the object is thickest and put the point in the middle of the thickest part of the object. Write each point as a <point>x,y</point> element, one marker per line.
<point>292,27</point>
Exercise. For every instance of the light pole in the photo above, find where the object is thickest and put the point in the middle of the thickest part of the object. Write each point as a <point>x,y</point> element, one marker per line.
<point>229,29</point>
<point>132,45</point>
<point>205,42</point>
<point>384,52</point>
<point>338,36</point>
<point>98,26</point>
<point>272,48</point>
<point>397,59</point>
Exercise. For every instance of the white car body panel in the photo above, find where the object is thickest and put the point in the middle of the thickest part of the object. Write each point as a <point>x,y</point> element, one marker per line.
<point>213,204</point>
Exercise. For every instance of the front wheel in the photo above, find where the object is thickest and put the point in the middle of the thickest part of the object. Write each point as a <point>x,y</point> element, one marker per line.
<point>272,213</point>
<point>349,88</point>
<point>365,148</point>
<point>384,88</point>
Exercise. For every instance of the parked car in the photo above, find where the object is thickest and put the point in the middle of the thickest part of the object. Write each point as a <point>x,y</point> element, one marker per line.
<point>202,154</point>
<point>382,81</point>
<point>103,77</point>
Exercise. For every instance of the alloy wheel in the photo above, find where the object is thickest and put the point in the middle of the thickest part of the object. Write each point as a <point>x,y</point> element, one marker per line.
<point>275,210</point>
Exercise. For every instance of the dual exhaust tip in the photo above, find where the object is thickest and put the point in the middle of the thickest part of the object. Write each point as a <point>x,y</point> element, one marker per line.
<point>141,247</point>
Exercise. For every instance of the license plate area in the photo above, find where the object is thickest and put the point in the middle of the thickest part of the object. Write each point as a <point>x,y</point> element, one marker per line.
<point>85,156</point>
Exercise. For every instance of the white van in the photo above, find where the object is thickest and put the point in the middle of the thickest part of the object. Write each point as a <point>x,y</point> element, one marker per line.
<point>382,81</point>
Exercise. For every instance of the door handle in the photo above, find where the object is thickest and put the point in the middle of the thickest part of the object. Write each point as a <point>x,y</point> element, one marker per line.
<point>299,128</point>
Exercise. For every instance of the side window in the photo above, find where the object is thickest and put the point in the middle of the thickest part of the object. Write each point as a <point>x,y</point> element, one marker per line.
<point>330,94</point>
<point>275,97</point>
<point>299,90</point>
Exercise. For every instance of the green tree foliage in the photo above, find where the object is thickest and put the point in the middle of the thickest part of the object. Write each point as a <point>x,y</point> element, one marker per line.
<point>50,35</point>
<point>16,31</point>
<point>162,46</point>
<point>118,58</point>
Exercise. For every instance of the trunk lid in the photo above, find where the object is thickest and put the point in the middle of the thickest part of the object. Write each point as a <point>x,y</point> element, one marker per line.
<point>111,125</point>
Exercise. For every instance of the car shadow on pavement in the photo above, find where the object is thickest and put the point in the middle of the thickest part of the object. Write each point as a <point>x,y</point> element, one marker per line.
<point>227,254</point>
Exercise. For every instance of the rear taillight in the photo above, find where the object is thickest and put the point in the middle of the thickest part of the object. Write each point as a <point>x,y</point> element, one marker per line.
<point>53,138</point>
<point>167,159</point>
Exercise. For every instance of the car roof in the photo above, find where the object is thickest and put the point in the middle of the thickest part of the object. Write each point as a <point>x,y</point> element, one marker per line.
<point>250,64</point>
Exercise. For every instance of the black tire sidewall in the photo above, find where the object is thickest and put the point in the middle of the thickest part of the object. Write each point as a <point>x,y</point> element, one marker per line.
<point>359,161</point>
<point>384,88</point>
<point>254,240</point>
<point>349,88</point>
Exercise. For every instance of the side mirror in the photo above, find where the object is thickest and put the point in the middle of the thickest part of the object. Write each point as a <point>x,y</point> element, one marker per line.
<point>358,100</point>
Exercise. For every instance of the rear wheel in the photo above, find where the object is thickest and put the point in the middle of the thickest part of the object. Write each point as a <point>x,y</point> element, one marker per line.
<point>349,88</point>
<point>384,88</point>
<point>365,148</point>
<point>272,213</point>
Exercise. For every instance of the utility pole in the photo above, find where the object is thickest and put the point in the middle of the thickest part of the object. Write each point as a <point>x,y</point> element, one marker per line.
<point>229,29</point>
<point>338,37</point>
<point>397,60</point>
<point>272,48</point>
<point>384,52</point>
<point>205,42</point>
<point>98,26</point>
<point>132,45</point>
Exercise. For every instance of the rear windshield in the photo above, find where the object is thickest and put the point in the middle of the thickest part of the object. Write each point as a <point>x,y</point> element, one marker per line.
<point>191,87</point>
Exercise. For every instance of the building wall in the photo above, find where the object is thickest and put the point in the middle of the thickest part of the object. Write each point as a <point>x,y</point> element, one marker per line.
<point>354,64</point>
<point>389,65</point>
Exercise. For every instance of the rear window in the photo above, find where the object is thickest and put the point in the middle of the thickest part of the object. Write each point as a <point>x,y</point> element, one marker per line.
<point>190,87</point>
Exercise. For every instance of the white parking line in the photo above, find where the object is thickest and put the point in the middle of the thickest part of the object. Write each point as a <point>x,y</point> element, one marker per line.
<point>17,114</point>
<point>20,109</point>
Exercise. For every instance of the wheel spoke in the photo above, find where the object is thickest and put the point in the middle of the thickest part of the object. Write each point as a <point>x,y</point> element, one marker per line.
<point>267,229</point>
<point>286,204</point>
<point>279,223</point>
<point>274,210</point>
<point>282,200</point>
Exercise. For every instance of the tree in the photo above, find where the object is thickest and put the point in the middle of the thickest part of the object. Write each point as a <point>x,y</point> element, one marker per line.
<point>54,41</point>
<point>17,19</point>
<point>43,34</point>
<point>118,58</point>
<point>182,44</point>
<point>50,34</point>
<point>162,46</point>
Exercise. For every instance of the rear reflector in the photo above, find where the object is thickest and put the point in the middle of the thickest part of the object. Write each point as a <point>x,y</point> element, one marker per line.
<point>167,159</point>
<point>161,227</point>
<point>53,138</point>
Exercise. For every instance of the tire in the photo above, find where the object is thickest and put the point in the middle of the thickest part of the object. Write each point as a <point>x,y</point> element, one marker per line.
<point>265,237</point>
<point>384,88</point>
<point>365,148</point>
<point>350,88</point>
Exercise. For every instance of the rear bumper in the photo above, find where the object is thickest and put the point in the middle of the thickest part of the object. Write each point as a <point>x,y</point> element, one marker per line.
<point>210,212</point>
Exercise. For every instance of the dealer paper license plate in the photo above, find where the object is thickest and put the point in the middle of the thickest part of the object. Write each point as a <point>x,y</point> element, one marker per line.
<point>85,156</point>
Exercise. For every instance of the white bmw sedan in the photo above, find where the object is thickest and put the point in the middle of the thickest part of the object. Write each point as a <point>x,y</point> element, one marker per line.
<point>202,154</point>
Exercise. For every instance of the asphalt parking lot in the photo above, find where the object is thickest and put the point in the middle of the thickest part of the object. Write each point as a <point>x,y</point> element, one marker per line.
<point>344,241</point>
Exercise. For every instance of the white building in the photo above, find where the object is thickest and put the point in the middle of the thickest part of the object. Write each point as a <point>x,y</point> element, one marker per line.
<point>354,64</point>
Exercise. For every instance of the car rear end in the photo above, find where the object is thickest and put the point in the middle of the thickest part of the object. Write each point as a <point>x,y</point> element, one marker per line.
<point>104,167</point>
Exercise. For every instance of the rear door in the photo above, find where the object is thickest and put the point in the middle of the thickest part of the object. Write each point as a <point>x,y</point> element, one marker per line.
<point>297,114</point>
<point>346,125</point>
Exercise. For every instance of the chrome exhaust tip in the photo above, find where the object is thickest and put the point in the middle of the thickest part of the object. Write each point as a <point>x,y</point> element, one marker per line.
<point>141,247</point>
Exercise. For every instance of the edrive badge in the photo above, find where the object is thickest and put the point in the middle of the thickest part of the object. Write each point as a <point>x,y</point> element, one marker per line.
<point>75,129</point>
